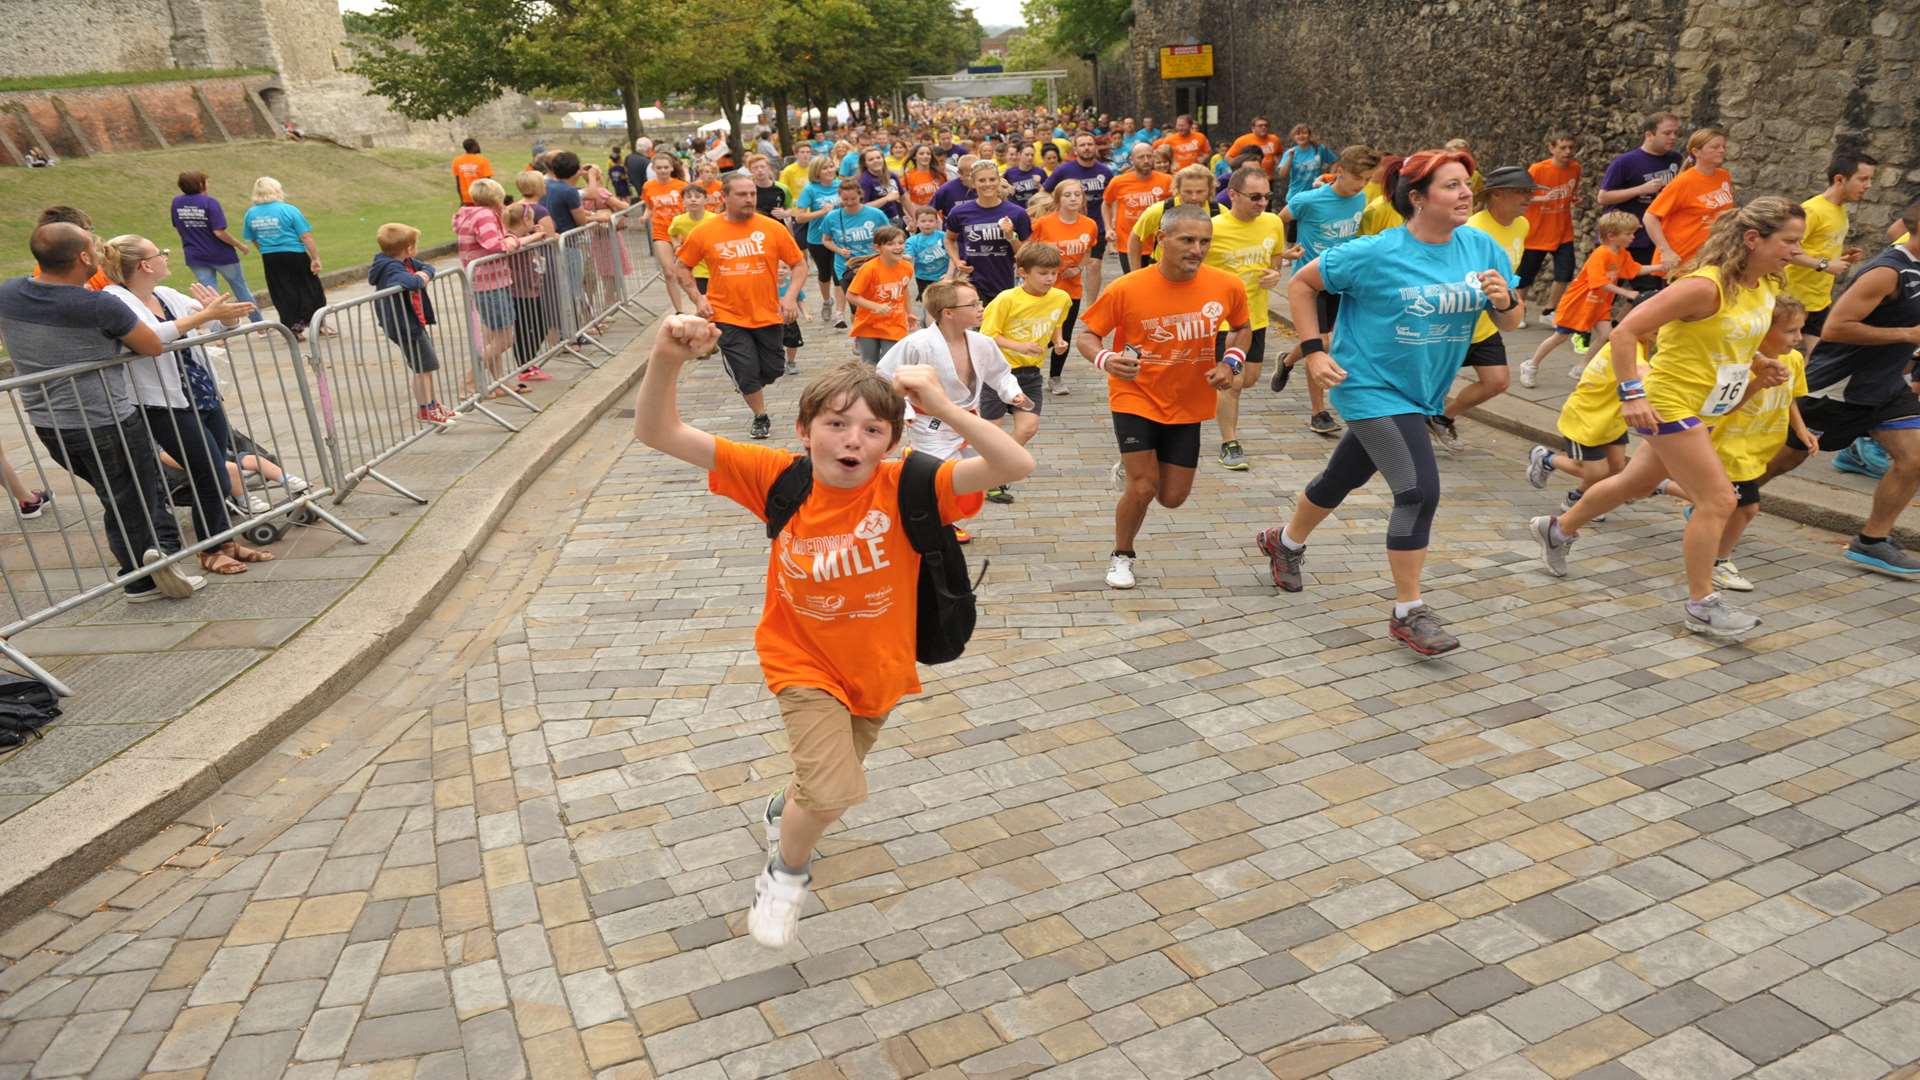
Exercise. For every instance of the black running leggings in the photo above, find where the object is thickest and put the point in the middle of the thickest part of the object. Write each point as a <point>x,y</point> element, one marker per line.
<point>1399,448</point>
<point>1059,363</point>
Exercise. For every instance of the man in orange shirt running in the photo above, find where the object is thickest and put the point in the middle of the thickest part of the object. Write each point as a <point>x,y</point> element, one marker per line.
<point>469,167</point>
<point>1550,220</point>
<point>1261,138</point>
<point>1128,195</point>
<point>1162,378</point>
<point>1187,145</point>
<point>743,249</point>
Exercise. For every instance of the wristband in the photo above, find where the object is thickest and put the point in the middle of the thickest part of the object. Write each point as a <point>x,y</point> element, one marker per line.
<point>1100,359</point>
<point>1235,359</point>
<point>1312,345</point>
<point>1509,307</point>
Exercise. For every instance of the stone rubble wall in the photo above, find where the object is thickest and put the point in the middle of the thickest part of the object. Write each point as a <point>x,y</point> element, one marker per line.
<point>1789,80</point>
<point>107,119</point>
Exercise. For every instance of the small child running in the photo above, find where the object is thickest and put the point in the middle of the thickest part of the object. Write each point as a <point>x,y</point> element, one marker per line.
<point>1585,313</point>
<point>1027,323</point>
<point>836,639</point>
<point>405,315</point>
<point>1751,434</point>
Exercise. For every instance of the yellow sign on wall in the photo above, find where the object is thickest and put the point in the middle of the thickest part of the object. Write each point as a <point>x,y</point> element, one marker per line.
<point>1186,61</point>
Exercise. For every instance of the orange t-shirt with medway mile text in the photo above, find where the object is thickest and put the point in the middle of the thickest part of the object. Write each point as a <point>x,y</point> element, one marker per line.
<point>663,202</point>
<point>1550,218</point>
<point>1074,242</point>
<point>1131,194</point>
<point>1173,326</point>
<point>842,606</point>
<point>1187,150</point>
<point>1269,149</point>
<point>881,284</point>
<point>921,187</point>
<point>1688,205</point>
<point>743,267</point>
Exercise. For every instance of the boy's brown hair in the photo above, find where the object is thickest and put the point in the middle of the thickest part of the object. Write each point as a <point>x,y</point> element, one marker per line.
<point>943,296</point>
<point>1615,222</point>
<point>395,238</point>
<point>1359,160</point>
<point>840,387</point>
<point>1037,253</point>
<point>887,234</point>
<point>1786,306</point>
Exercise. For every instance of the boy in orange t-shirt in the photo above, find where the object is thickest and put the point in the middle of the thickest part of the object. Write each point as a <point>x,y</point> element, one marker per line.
<point>1586,308</point>
<point>837,635</point>
<point>1550,219</point>
<point>1162,378</point>
<point>1127,196</point>
<point>878,293</point>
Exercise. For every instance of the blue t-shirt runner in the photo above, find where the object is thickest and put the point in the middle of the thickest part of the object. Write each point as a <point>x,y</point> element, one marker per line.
<point>852,233</point>
<point>1304,165</point>
<point>928,253</point>
<point>1327,219</point>
<point>982,245</point>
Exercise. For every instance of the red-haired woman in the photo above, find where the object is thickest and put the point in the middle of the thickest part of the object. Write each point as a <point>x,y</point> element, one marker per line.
<point>1409,299</point>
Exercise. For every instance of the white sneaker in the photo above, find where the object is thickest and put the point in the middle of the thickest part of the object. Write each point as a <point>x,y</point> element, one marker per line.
<point>1118,478</point>
<point>170,579</point>
<point>1528,371</point>
<point>1059,386</point>
<point>1120,572</point>
<point>1728,576</point>
<point>294,483</point>
<point>774,918</point>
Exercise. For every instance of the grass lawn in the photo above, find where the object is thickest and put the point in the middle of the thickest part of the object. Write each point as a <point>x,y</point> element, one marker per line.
<point>346,194</point>
<point>125,78</point>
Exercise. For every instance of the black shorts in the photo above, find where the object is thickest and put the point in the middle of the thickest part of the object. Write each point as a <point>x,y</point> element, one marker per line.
<point>790,336</point>
<point>701,284</point>
<point>1580,451</point>
<point>1837,423</point>
<point>1747,492</point>
<point>1491,352</point>
<point>822,262</point>
<point>754,356</point>
<point>1256,346</point>
<point>1327,306</point>
<point>920,287</point>
<point>1531,259</point>
<point>1098,251</point>
<point>1293,227</point>
<point>1172,444</point>
<point>1816,322</point>
<point>992,408</point>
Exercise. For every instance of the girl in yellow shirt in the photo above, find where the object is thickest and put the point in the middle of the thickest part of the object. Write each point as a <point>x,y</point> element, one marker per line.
<point>1708,326</point>
<point>1755,431</point>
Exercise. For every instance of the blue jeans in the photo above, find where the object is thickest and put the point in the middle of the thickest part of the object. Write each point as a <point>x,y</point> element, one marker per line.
<point>235,277</point>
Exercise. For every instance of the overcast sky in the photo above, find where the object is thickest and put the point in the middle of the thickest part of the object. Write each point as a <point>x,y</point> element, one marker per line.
<point>989,12</point>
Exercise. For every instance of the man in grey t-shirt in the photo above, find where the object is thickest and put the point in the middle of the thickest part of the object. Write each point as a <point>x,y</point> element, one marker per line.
<point>88,422</point>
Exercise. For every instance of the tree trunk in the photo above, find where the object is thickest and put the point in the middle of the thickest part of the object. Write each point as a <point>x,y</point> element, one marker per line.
<point>732,105</point>
<point>779,101</point>
<point>630,99</point>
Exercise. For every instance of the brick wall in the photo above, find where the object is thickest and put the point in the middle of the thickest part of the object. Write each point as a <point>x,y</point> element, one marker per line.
<point>108,120</point>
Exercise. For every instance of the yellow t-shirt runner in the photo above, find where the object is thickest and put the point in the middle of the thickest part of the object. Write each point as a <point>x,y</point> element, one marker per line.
<point>793,178</point>
<point>1591,414</point>
<point>1690,358</point>
<point>1512,240</point>
<point>678,230</point>
<point>1750,435</point>
<point>1022,316</point>
<point>1379,216</point>
<point>1825,239</point>
<point>1246,249</point>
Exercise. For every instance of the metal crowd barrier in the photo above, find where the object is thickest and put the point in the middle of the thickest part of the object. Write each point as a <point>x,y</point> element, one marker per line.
<point>633,231</point>
<point>224,426</point>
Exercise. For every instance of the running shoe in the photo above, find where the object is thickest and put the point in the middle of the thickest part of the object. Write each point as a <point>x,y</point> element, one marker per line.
<point>1232,457</point>
<point>839,324</point>
<point>1865,458</point>
<point>1423,631</point>
<point>535,374</point>
<point>1118,478</point>
<point>1528,370</point>
<point>762,427</point>
<point>1281,373</point>
<point>1539,466</point>
<point>37,505</point>
<point>961,536</point>
<point>1285,565</point>
<point>297,485</point>
<point>1574,497</point>
<point>793,366</point>
<point>1323,423</point>
<point>169,579</point>
<point>1728,576</point>
<point>1552,552</point>
<point>770,816</point>
<point>774,918</point>
<point>1522,326</point>
<point>1059,386</point>
<point>447,416</point>
<point>1000,494</point>
<point>1445,433</point>
<point>430,414</point>
<point>1714,618</point>
<point>1120,572</point>
<point>1884,557</point>
<point>1582,342</point>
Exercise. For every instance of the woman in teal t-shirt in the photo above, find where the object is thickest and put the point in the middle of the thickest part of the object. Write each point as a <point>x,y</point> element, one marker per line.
<point>1409,299</point>
<point>287,255</point>
<point>818,199</point>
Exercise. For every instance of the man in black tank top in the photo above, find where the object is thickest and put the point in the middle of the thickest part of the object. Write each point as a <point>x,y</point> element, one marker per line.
<point>1858,384</point>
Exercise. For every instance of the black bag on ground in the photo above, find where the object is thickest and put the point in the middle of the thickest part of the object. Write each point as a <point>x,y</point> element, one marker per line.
<point>947,610</point>
<point>26,706</point>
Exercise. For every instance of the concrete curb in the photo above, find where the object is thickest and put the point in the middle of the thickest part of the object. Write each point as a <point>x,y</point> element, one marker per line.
<point>1789,497</point>
<point>81,829</point>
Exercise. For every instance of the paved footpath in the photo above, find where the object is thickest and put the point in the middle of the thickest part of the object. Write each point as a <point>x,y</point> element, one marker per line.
<point>1198,828</point>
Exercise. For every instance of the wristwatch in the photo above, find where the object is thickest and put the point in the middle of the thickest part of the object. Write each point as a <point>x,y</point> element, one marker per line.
<point>1822,265</point>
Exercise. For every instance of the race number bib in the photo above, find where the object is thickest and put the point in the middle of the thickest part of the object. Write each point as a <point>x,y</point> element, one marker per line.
<point>1729,384</point>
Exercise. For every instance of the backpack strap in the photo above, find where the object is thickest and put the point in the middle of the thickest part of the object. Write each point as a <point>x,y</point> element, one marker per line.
<point>920,503</point>
<point>786,493</point>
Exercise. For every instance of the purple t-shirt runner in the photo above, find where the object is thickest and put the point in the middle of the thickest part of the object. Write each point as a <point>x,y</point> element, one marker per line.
<point>195,217</point>
<point>976,233</point>
<point>1093,180</point>
<point>872,187</point>
<point>1631,169</point>
<point>1023,183</point>
<point>951,194</point>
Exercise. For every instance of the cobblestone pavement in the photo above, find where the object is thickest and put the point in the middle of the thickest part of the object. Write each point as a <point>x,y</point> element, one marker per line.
<point>1198,828</point>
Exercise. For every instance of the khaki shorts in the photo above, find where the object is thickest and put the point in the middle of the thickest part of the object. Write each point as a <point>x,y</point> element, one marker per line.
<point>829,748</point>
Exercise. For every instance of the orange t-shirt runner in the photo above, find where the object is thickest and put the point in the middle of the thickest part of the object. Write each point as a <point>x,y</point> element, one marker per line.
<point>1131,194</point>
<point>921,187</point>
<point>842,606</point>
<point>881,284</point>
<point>1074,242</point>
<point>743,267</point>
<point>1587,300</point>
<point>1269,148</point>
<point>1173,326</point>
<point>663,203</point>
<point>1688,205</point>
<point>1550,218</point>
<point>1188,150</point>
<point>466,169</point>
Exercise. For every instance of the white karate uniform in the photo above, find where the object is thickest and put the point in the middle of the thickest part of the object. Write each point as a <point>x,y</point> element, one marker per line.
<point>926,434</point>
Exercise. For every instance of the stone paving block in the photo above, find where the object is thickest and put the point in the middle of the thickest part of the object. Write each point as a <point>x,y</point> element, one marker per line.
<point>1476,1041</point>
<point>1266,1020</point>
<point>1832,1056</point>
<point>1686,1054</point>
<point>403,1035</point>
<point>1538,1015</point>
<point>1762,1028</point>
<point>248,1056</point>
<point>1415,1059</point>
<point>1416,1015</point>
<point>1186,1049</point>
<point>1825,999</point>
<point>1417,965</point>
<point>1674,1007</point>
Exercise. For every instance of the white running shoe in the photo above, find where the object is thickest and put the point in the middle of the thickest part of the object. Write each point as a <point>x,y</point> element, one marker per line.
<point>1120,572</point>
<point>774,918</point>
<point>1528,369</point>
<point>1539,466</point>
<point>1728,576</point>
<point>1118,479</point>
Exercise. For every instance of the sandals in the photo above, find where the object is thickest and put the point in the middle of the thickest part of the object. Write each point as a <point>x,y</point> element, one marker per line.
<point>231,558</point>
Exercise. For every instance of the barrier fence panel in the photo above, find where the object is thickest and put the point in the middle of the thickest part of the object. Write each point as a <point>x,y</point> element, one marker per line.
<point>223,426</point>
<point>633,231</point>
<point>590,266</point>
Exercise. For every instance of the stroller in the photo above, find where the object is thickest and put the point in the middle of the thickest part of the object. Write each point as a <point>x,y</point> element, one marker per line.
<point>261,494</point>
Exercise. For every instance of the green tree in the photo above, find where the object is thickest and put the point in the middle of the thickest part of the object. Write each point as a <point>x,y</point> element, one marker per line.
<point>1078,27</point>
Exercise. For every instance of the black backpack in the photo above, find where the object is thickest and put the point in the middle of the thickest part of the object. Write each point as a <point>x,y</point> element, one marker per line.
<point>26,706</point>
<point>945,597</point>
